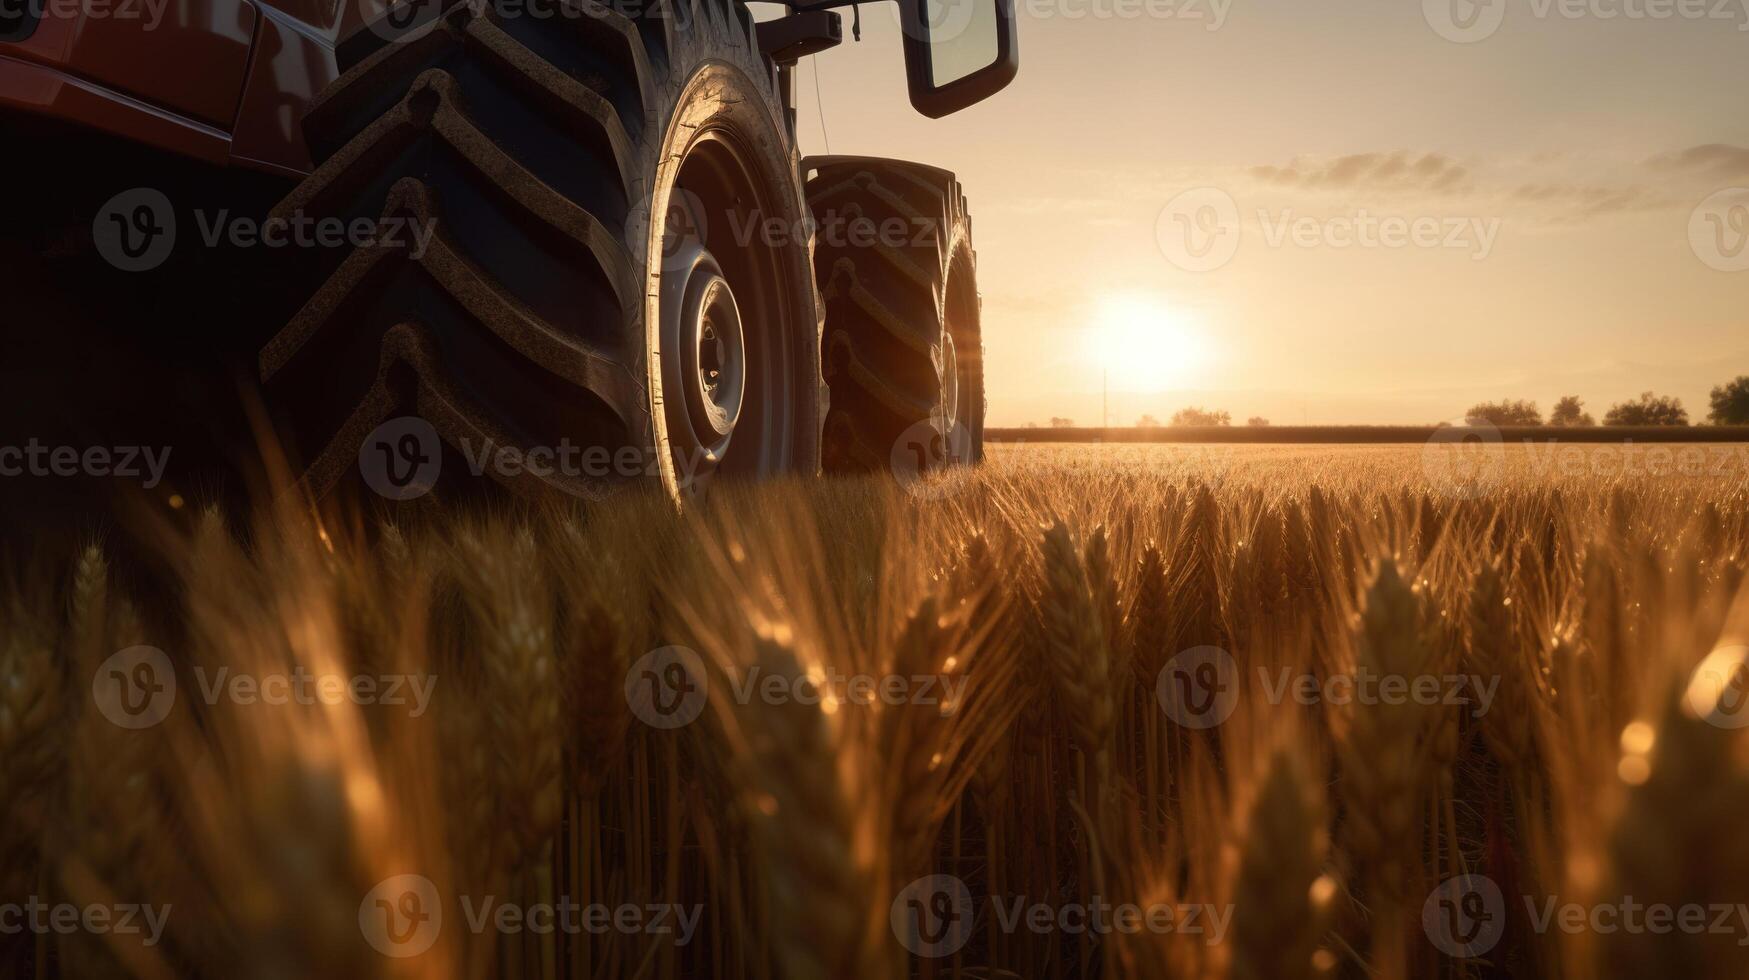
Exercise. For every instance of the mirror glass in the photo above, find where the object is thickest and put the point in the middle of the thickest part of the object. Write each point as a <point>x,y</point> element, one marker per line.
<point>962,38</point>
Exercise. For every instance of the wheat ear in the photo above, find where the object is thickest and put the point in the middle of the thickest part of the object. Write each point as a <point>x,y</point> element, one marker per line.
<point>1281,897</point>
<point>1077,645</point>
<point>817,877</point>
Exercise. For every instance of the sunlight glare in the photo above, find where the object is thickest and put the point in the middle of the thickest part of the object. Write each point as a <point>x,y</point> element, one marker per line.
<point>1146,344</point>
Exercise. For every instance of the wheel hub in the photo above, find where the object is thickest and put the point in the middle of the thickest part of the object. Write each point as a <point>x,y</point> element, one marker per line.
<point>704,355</point>
<point>949,373</point>
<point>715,355</point>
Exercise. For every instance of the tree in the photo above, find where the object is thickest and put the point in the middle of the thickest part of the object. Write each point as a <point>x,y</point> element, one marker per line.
<point>1257,420</point>
<point>1731,403</point>
<point>1147,422</point>
<point>1570,411</point>
<point>1058,423</point>
<point>1198,416</point>
<point>1504,413</point>
<point>1650,409</point>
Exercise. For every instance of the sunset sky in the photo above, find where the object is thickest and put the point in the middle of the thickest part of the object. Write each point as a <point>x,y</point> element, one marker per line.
<point>1563,153</point>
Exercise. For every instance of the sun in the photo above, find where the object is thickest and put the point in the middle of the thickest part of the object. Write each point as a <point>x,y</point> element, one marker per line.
<point>1143,343</point>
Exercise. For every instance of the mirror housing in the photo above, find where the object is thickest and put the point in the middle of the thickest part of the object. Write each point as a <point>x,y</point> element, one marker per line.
<point>936,101</point>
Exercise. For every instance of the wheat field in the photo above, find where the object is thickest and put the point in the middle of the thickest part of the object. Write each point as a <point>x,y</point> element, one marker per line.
<point>1083,711</point>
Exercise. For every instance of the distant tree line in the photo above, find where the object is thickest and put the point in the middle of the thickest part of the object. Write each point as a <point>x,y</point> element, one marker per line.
<point>1730,406</point>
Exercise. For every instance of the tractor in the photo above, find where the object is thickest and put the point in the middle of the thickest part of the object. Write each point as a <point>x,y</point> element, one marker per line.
<point>569,245</point>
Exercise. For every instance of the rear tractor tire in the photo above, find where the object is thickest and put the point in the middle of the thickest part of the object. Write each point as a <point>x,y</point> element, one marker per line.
<point>903,351</point>
<point>535,305</point>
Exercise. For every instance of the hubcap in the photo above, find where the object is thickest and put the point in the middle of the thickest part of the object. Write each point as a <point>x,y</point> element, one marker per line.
<point>713,355</point>
<point>703,355</point>
<point>949,371</point>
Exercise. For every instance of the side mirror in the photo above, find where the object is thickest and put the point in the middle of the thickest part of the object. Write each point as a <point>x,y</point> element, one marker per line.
<point>958,52</point>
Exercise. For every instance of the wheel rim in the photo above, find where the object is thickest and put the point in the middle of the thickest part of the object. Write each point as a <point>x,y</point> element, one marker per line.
<point>729,393</point>
<point>949,373</point>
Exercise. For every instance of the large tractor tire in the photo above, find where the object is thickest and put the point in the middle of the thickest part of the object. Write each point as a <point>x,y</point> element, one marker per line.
<point>549,313</point>
<point>903,351</point>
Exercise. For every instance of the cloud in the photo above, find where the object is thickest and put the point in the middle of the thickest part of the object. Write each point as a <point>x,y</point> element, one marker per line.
<point>1564,202</point>
<point>1398,170</point>
<point>1709,159</point>
<point>1549,188</point>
